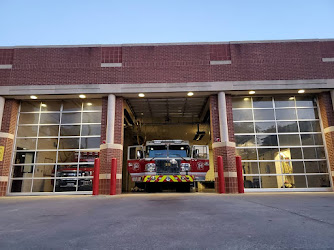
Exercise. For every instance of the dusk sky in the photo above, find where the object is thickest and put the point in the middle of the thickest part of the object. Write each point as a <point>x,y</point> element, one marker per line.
<point>47,22</point>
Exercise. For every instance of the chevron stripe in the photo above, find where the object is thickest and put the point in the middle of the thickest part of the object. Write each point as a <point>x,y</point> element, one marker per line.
<point>168,178</point>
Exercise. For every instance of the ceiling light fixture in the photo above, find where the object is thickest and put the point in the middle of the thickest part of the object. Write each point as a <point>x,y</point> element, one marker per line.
<point>89,104</point>
<point>301,91</point>
<point>252,92</point>
<point>33,97</point>
<point>141,95</point>
<point>44,105</point>
<point>82,96</point>
<point>291,98</point>
<point>190,94</point>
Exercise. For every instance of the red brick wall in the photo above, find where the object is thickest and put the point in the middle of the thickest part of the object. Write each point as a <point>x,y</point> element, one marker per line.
<point>104,118</point>
<point>220,52</point>
<point>6,56</point>
<point>214,118</point>
<point>119,121</point>
<point>112,55</point>
<point>229,114</point>
<point>171,63</point>
<point>9,118</point>
<point>327,49</point>
<point>44,66</point>
<point>8,126</point>
<point>327,117</point>
<point>326,109</point>
<point>3,188</point>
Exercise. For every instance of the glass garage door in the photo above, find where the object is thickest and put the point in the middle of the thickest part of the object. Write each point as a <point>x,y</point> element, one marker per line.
<point>280,142</point>
<point>55,146</point>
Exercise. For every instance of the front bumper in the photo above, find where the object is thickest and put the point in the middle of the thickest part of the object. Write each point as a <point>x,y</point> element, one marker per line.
<point>167,178</point>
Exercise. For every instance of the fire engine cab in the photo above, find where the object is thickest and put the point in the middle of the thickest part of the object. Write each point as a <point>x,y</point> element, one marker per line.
<point>168,161</point>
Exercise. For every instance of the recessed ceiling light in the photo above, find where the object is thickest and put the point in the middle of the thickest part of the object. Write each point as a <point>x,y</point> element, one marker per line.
<point>44,105</point>
<point>190,94</point>
<point>291,98</point>
<point>246,99</point>
<point>301,91</point>
<point>33,97</point>
<point>82,96</point>
<point>89,104</point>
<point>141,95</point>
<point>252,92</point>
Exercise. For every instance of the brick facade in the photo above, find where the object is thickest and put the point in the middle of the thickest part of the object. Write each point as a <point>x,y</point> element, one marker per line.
<point>327,118</point>
<point>9,120</point>
<point>169,63</point>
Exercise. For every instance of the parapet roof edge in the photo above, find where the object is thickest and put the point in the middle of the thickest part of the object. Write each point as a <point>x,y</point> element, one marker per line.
<point>165,44</point>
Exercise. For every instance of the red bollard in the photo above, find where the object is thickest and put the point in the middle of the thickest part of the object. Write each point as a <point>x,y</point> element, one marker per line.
<point>113,176</point>
<point>96,177</point>
<point>221,179</point>
<point>241,188</point>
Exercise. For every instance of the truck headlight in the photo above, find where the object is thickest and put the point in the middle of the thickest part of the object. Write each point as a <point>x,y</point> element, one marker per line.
<point>185,167</point>
<point>173,161</point>
<point>150,167</point>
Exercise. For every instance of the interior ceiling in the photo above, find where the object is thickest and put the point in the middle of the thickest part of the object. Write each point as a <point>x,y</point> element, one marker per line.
<point>168,107</point>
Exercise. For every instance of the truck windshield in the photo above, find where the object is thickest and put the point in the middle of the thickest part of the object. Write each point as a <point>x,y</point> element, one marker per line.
<point>158,151</point>
<point>179,151</point>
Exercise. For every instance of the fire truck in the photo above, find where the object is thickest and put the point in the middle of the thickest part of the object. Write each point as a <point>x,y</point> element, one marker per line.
<point>69,176</point>
<point>162,162</point>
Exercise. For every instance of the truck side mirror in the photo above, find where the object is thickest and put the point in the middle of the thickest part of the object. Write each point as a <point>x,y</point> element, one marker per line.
<point>196,153</point>
<point>139,154</point>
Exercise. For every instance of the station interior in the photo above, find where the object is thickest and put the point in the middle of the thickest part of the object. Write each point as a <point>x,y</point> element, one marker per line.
<point>167,118</point>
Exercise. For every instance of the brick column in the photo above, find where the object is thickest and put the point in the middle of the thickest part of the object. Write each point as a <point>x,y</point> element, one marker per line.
<point>7,132</point>
<point>2,106</point>
<point>327,118</point>
<point>225,148</point>
<point>114,148</point>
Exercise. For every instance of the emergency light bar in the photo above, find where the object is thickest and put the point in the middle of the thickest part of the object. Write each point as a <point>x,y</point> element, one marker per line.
<point>167,141</point>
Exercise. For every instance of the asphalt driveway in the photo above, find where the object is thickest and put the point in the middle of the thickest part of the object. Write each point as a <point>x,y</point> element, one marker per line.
<point>181,221</point>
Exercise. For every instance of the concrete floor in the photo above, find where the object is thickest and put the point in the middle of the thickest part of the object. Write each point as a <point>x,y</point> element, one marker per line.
<point>182,221</point>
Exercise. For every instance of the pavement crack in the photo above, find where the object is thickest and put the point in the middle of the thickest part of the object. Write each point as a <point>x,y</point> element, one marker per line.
<point>291,212</point>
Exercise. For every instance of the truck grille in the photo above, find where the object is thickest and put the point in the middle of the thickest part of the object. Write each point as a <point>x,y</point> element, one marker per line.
<point>165,167</point>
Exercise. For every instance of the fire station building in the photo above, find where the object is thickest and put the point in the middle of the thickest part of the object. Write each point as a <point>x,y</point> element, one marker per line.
<point>270,102</point>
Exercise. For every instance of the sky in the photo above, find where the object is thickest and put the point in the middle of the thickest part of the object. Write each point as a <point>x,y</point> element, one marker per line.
<point>59,22</point>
